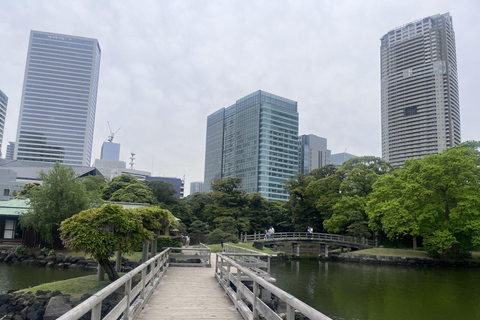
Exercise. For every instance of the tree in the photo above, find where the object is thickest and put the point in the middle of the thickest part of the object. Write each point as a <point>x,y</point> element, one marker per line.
<point>435,197</point>
<point>60,197</point>
<point>26,189</point>
<point>301,205</point>
<point>103,231</point>
<point>134,192</point>
<point>117,183</point>
<point>356,177</point>
<point>163,192</point>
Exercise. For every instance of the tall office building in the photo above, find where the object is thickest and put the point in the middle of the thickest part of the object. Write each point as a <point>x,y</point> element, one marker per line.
<point>110,151</point>
<point>3,114</point>
<point>196,186</point>
<point>255,139</point>
<point>10,150</point>
<point>420,103</point>
<point>313,153</point>
<point>57,112</point>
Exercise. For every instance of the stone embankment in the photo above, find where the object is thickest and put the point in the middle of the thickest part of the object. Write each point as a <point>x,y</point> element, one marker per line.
<point>45,305</point>
<point>365,258</point>
<point>56,260</point>
<point>49,305</point>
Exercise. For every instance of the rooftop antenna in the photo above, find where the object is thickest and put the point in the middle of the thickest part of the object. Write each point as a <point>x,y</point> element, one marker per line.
<point>112,134</point>
<point>132,157</point>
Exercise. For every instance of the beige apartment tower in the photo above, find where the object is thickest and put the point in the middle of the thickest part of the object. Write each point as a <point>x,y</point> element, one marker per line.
<point>419,89</point>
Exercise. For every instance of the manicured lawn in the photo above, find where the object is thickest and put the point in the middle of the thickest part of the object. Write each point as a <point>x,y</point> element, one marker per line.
<point>394,253</point>
<point>75,287</point>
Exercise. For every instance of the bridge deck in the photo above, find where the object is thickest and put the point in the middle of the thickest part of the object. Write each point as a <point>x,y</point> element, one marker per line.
<point>189,293</point>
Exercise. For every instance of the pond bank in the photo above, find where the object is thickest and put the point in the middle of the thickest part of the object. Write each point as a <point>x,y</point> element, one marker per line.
<point>56,260</point>
<point>394,260</point>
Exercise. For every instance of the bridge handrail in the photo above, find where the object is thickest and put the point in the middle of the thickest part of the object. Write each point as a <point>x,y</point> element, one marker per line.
<point>133,298</point>
<point>249,256</point>
<point>224,276</point>
<point>307,236</point>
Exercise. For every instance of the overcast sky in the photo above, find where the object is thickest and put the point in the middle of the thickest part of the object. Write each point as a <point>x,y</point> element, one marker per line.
<point>167,65</point>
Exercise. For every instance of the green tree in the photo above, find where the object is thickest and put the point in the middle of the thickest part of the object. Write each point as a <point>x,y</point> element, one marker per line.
<point>163,192</point>
<point>435,197</point>
<point>134,192</point>
<point>60,197</point>
<point>356,177</point>
<point>117,183</point>
<point>103,231</point>
<point>26,189</point>
<point>301,205</point>
<point>220,236</point>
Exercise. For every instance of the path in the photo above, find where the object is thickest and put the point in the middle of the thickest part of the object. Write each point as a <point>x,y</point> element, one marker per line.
<point>189,293</point>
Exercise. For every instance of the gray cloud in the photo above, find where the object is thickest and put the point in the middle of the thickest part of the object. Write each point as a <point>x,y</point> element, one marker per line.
<point>166,65</point>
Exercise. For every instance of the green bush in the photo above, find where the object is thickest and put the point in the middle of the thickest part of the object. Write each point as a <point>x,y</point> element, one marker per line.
<point>20,249</point>
<point>219,236</point>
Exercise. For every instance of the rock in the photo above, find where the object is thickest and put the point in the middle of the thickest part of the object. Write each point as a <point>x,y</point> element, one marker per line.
<point>17,317</point>
<point>57,306</point>
<point>9,258</point>
<point>50,264</point>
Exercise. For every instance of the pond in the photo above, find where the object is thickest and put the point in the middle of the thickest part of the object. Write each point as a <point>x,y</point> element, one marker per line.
<point>359,291</point>
<point>17,276</point>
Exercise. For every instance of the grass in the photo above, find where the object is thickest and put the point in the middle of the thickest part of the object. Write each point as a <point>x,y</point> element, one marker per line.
<point>134,256</point>
<point>75,287</point>
<point>247,245</point>
<point>394,253</point>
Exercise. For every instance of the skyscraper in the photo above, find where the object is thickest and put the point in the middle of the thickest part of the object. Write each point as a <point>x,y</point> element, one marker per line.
<point>255,139</point>
<point>420,103</point>
<point>110,151</point>
<point>3,114</point>
<point>313,153</point>
<point>57,112</point>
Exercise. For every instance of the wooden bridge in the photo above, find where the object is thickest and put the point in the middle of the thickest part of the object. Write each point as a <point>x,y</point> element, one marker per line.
<point>322,239</point>
<point>231,290</point>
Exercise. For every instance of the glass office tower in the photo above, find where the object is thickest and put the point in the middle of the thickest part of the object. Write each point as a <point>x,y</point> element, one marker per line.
<point>313,153</point>
<point>57,112</point>
<point>3,114</point>
<point>255,139</point>
<point>420,102</point>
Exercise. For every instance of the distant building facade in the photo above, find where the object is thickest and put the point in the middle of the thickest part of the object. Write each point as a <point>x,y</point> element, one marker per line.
<point>196,186</point>
<point>57,111</point>
<point>3,114</point>
<point>178,184</point>
<point>419,88</point>
<point>255,139</point>
<point>339,158</point>
<point>10,150</point>
<point>110,151</point>
<point>313,153</point>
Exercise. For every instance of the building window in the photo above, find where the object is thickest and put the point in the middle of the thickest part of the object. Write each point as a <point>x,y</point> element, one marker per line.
<point>410,111</point>
<point>6,192</point>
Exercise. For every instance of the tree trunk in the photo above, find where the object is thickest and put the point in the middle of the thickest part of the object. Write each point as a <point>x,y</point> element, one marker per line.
<point>414,242</point>
<point>112,274</point>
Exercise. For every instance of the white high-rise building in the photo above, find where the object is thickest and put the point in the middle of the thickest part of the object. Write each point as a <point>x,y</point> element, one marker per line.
<point>420,102</point>
<point>313,153</point>
<point>3,114</point>
<point>57,112</point>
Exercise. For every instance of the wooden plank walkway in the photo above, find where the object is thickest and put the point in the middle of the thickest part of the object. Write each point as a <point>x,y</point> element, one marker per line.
<point>189,293</point>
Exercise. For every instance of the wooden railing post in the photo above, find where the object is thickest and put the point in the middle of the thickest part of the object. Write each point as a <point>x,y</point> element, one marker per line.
<point>290,312</point>
<point>256,292</point>
<point>142,292</point>
<point>128,290</point>
<point>238,284</point>
<point>97,311</point>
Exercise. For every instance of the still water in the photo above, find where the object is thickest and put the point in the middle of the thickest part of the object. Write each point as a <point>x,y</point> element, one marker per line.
<point>356,291</point>
<point>16,276</point>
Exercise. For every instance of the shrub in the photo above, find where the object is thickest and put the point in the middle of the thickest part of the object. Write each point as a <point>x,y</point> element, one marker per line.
<point>20,249</point>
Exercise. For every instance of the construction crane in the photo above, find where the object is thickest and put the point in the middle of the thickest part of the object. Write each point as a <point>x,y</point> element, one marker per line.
<point>112,134</point>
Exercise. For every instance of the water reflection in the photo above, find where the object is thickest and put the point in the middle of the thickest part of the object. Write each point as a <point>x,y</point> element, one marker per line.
<point>362,291</point>
<point>17,276</point>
